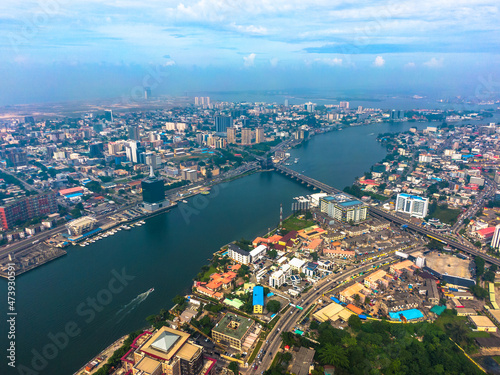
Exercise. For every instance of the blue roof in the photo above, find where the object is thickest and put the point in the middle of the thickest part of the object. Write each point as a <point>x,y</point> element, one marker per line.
<point>411,196</point>
<point>258,295</point>
<point>73,195</point>
<point>408,314</point>
<point>349,203</point>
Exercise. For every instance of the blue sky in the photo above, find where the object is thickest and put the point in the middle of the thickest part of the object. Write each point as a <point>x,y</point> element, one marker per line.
<point>275,43</point>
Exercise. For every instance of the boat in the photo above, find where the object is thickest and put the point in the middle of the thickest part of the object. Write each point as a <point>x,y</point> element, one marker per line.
<point>151,290</point>
<point>204,192</point>
<point>296,160</point>
<point>125,227</point>
<point>142,222</point>
<point>184,201</point>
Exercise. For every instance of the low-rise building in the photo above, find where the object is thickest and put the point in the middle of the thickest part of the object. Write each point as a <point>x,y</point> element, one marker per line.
<point>482,323</point>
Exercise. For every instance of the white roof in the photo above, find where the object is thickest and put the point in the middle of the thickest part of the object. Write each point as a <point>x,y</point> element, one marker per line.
<point>165,341</point>
<point>285,267</point>
<point>296,262</point>
<point>258,250</point>
<point>277,274</point>
<point>282,259</point>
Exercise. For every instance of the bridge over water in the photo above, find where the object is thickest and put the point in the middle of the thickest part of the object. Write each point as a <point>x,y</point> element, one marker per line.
<point>377,212</point>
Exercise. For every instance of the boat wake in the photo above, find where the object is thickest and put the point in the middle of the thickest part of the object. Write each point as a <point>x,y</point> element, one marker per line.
<point>129,307</point>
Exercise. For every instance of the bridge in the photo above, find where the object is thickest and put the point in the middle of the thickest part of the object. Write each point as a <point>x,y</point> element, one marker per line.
<point>306,180</point>
<point>377,212</point>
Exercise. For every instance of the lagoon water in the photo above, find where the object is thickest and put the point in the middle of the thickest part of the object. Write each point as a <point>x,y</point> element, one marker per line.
<point>100,291</point>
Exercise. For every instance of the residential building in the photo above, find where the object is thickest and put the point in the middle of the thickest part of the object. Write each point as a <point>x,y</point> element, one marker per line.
<point>259,135</point>
<point>238,254</point>
<point>27,208</point>
<point>412,204</point>
<point>246,136</point>
<point>231,135</point>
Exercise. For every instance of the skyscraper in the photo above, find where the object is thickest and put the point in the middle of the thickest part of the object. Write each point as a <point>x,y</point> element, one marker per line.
<point>133,132</point>
<point>246,136</point>
<point>259,135</point>
<point>108,115</point>
<point>222,123</point>
<point>495,242</point>
<point>231,135</point>
<point>147,93</point>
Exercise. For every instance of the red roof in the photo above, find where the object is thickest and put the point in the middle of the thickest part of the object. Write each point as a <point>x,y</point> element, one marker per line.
<point>486,232</point>
<point>77,189</point>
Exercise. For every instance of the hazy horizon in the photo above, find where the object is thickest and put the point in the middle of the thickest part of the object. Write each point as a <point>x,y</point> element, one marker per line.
<point>61,50</point>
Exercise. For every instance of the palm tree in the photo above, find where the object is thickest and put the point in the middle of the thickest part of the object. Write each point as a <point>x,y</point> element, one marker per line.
<point>334,355</point>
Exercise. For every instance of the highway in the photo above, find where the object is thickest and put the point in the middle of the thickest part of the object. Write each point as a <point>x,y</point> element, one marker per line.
<point>428,232</point>
<point>289,319</point>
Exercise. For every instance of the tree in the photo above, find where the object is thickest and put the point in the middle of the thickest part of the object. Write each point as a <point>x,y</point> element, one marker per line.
<point>286,357</point>
<point>315,256</point>
<point>367,300</point>
<point>354,322</point>
<point>273,306</point>
<point>272,254</point>
<point>334,355</point>
<point>94,186</point>
<point>234,367</point>
<point>357,298</point>
<point>479,265</point>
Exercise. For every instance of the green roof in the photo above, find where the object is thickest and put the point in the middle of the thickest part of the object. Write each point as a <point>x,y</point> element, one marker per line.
<point>438,310</point>
<point>234,303</point>
<point>233,325</point>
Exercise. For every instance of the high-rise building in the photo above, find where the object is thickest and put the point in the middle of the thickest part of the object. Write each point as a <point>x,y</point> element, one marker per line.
<point>153,193</point>
<point>108,115</point>
<point>412,204</point>
<point>131,151</point>
<point>16,157</point>
<point>231,135</point>
<point>133,132</point>
<point>495,242</point>
<point>222,123</point>
<point>147,93</point>
<point>246,136</point>
<point>259,135</point>
<point>344,208</point>
<point>344,105</point>
<point>27,208</point>
<point>286,102</point>
<point>310,107</point>
<point>96,149</point>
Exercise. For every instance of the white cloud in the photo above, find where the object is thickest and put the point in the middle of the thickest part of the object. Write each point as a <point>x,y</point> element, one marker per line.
<point>274,61</point>
<point>434,63</point>
<point>410,65</point>
<point>379,61</point>
<point>331,61</point>
<point>250,29</point>
<point>249,60</point>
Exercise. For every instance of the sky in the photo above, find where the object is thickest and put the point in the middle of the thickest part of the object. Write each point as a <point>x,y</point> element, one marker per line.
<point>80,49</point>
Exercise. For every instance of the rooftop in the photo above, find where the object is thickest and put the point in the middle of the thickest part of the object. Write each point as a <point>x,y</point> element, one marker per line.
<point>233,325</point>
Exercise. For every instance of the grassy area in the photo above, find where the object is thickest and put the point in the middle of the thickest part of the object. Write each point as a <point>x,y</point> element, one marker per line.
<point>479,334</point>
<point>294,223</point>
<point>206,275</point>
<point>496,358</point>
<point>255,352</point>
<point>446,215</point>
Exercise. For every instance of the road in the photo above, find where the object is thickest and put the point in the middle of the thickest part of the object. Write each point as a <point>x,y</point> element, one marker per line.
<point>292,315</point>
<point>429,232</point>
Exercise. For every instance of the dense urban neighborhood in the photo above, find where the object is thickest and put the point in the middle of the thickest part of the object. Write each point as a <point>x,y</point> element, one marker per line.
<point>408,253</point>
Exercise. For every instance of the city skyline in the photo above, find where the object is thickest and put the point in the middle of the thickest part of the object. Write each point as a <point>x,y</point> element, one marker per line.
<point>89,50</point>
